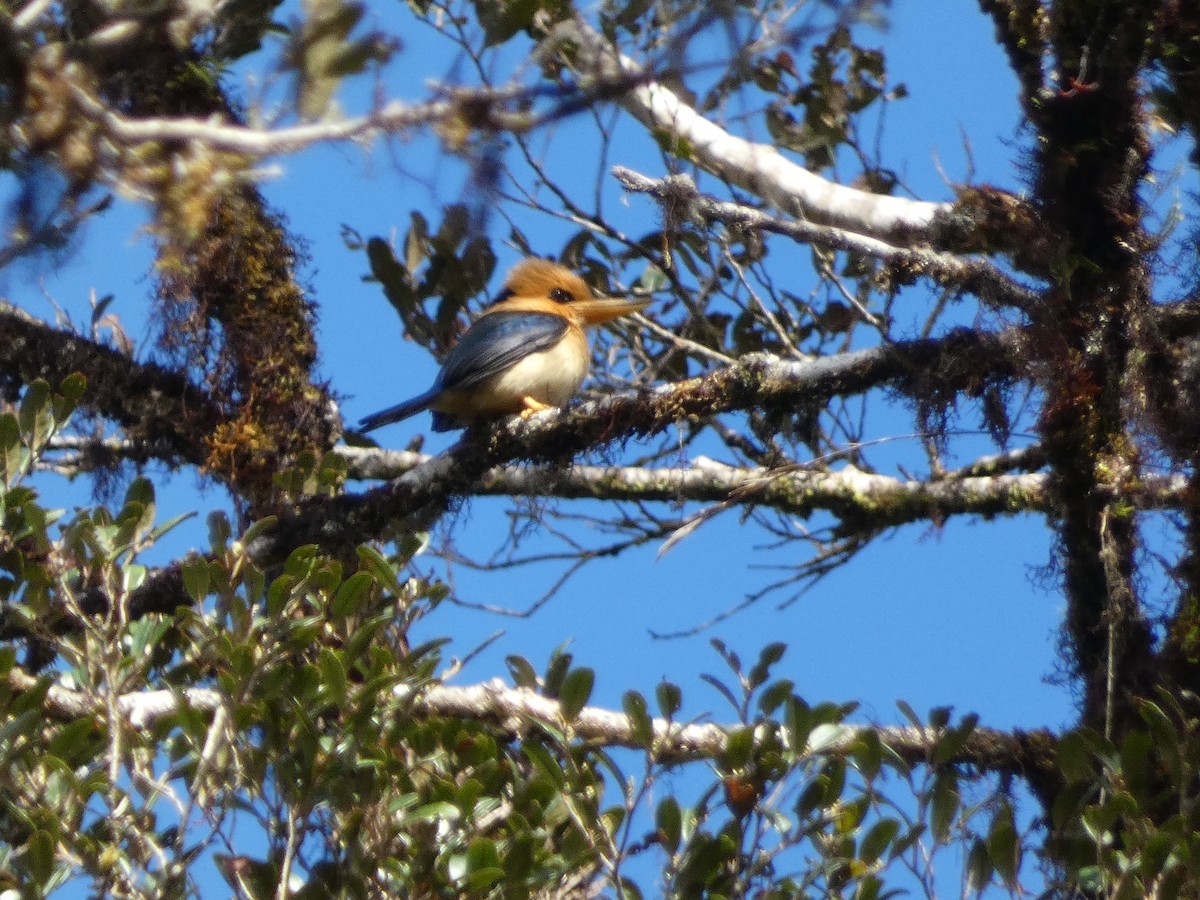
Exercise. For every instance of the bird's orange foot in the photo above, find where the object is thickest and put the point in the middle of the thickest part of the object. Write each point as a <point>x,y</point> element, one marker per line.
<point>532,406</point>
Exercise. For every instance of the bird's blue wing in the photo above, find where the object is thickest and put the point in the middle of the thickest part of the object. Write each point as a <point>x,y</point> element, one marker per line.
<point>495,342</point>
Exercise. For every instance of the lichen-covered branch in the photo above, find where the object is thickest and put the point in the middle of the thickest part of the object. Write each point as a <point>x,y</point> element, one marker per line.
<point>882,500</point>
<point>1091,159</point>
<point>417,498</point>
<point>520,711</point>
<point>756,381</point>
<point>678,193</point>
<point>161,411</point>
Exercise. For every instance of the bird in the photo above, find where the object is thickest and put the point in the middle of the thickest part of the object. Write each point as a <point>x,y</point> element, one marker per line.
<point>526,352</point>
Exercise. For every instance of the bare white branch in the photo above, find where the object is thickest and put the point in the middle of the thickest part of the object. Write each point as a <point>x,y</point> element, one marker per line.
<point>679,193</point>
<point>758,168</point>
<point>792,489</point>
<point>218,134</point>
<point>521,711</point>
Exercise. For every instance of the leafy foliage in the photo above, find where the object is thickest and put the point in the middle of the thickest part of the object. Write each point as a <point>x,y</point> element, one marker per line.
<point>276,709</point>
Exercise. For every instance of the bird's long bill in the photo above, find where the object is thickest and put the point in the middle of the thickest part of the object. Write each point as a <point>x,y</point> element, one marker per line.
<point>604,309</point>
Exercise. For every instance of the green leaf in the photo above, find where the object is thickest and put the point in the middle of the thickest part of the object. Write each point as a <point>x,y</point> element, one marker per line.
<point>145,633</point>
<point>303,562</point>
<point>556,671</point>
<point>219,531</point>
<point>34,413</point>
<point>69,392</point>
<point>349,597</point>
<point>545,764</point>
<point>799,721</point>
<point>333,675</point>
<point>39,855</point>
<point>1136,752</point>
<point>482,879</point>
<point>519,858</point>
<point>868,888</point>
<point>196,577</point>
<point>1074,758</point>
<point>910,714</point>
<point>939,717</point>
<point>391,275</point>
<point>739,748</point>
<point>867,753</point>
<point>377,564</point>
<point>21,724</point>
<point>133,576</point>
<point>943,806</point>
<point>877,839</point>
<point>1166,736</point>
<point>140,491</point>
<point>1003,845</point>
<point>75,740</point>
<point>12,454</point>
<point>456,224</point>
<point>979,866</point>
<point>811,799</point>
<point>1069,803</point>
<point>761,670</point>
<point>433,812</point>
<point>668,820</point>
<point>850,816</point>
<point>833,780</point>
<point>501,21</point>
<point>482,854</point>
<point>279,593</point>
<point>775,696</point>
<point>953,741</point>
<point>638,712</point>
<point>467,794</point>
<point>670,699</point>
<point>576,689</point>
<point>254,580</point>
<point>628,889</point>
<point>522,672</point>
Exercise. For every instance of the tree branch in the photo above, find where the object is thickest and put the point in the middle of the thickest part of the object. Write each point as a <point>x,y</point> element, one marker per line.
<point>522,712</point>
<point>678,193</point>
<point>756,381</point>
<point>758,168</point>
<point>216,134</point>
<point>849,493</point>
<point>157,407</point>
<point>416,499</point>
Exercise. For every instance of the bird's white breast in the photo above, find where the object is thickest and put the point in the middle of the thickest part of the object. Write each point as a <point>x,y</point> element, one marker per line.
<point>550,376</point>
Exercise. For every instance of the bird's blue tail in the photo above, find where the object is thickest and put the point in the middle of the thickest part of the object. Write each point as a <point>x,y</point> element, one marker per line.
<point>397,412</point>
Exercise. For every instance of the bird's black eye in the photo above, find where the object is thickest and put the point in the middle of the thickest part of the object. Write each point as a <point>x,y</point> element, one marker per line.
<point>505,294</point>
<point>560,295</point>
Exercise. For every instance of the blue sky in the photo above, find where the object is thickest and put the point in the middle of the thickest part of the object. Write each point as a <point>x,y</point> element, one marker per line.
<point>956,615</point>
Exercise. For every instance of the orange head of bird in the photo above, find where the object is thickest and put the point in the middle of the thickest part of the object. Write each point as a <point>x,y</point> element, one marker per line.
<point>534,283</point>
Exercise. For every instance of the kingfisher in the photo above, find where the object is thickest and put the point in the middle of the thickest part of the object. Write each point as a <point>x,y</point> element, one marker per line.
<point>525,353</point>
